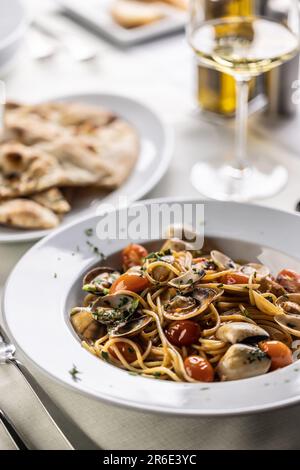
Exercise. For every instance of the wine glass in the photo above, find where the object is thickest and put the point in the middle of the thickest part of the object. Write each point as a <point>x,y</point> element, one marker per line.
<point>243,43</point>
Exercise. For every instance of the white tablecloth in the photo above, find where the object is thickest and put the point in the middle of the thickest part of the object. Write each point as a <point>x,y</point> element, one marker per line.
<point>160,75</point>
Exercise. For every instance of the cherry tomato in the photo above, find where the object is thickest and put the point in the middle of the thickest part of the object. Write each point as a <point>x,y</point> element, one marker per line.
<point>199,369</point>
<point>133,255</point>
<point>279,353</point>
<point>290,280</point>
<point>129,281</point>
<point>235,278</point>
<point>125,349</point>
<point>183,333</point>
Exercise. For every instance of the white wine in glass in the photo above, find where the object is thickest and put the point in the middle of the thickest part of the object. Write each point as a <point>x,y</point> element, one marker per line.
<point>244,47</point>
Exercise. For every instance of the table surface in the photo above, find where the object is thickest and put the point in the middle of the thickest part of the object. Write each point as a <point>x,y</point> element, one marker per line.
<point>161,75</point>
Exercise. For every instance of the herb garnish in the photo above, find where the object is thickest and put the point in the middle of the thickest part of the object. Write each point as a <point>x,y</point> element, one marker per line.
<point>96,250</point>
<point>74,373</point>
<point>105,355</point>
<point>156,375</point>
<point>89,232</point>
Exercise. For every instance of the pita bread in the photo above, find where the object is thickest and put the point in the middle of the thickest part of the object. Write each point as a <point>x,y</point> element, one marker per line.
<point>53,199</point>
<point>46,122</point>
<point>131,14</point>
<point>103,159</point>
<point>54,145</point>
<point>24,213</point>
<point>26,170</point>
<point>182,4</point>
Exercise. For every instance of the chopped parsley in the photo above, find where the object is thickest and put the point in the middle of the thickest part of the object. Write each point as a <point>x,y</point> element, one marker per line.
<point>156,375</point>
<point>89,232</point>
<point>74,373</point>
<point>96,250</point>
<point>105,355</point>
<point>159,255</point>
<point>256,355</point>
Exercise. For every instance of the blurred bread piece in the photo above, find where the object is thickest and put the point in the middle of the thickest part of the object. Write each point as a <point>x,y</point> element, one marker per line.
<point>26,170</point>
<point>53,199</point>
<point>132,13</point>
<point>26,214</point>
<point>182,4</point>
<point>104,159</point>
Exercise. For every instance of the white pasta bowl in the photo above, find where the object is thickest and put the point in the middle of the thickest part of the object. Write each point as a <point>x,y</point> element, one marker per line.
<point>46,284</point>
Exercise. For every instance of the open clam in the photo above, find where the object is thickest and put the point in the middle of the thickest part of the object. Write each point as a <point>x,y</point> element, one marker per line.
<point>191,304</point>
<point>222,261</point>
<point>289,323</point>
<point>188,279</point>
<point>99,280</point>
<point>176,244</point>
<point>290,303</point>
<point>260,270</point>
<point>130,328</point>
<point>241,332</point>
<point>115,308</point>
<point>242,361</point>
<point>85,325</point>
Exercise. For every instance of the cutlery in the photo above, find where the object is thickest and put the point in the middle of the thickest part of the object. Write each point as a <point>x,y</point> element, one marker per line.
<point>12,431</point>
<point>65,426</point>
<point>42,47</point>
<point>80,49</point>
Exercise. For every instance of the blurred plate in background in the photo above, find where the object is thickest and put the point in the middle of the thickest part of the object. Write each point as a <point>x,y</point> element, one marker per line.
<point>156,146</point>
<point>13,25</point>
<point>95,14</point>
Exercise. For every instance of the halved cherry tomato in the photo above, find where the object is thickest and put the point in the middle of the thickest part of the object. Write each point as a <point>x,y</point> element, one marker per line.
<point>290,280</point>
<point>234,278</point>
<point>199,369</point>
<point>183,333</point>
<point>129,281</point>
<point>133,255</point>
<point>279,353</point>
<point>125,349</point>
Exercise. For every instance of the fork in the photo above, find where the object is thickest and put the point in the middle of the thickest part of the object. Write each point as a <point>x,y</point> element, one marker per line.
<point>12,431</point>
<point>77,439</point>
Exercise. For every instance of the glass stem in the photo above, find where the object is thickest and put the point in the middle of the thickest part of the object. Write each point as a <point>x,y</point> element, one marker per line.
<point>242,93</point>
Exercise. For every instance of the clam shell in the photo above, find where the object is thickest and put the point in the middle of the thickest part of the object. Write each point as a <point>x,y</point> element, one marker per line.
<point>89,283</point>
<point>289,323</point>
<point>131,327</point>
<point>222,261</point>
<point>290,303</point>
<point>260,269</point>
<point>241,362</point>
<point>187,279</point>
<point>238,332</point>
<point>85,325</point>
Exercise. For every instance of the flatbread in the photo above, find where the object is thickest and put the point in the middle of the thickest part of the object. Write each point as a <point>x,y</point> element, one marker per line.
<point>24,213</point>
<point>27,170</point>
<point>53,199</point>
<point>104,159</point>
<point>60,145</point>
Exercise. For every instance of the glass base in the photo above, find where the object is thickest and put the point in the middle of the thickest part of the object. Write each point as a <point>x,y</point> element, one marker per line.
<point>225,183</point>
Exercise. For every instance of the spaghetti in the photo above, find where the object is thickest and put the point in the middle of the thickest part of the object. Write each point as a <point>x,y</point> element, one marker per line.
<point>177,315</point>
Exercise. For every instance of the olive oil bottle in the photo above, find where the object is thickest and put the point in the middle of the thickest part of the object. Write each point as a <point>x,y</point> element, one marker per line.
<point>215,90</point>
